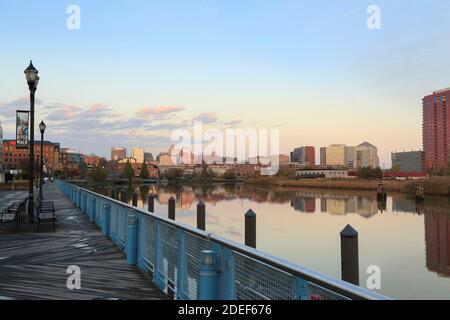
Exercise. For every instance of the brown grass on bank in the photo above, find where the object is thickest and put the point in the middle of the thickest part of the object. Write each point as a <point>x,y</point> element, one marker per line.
<point>433,186</point>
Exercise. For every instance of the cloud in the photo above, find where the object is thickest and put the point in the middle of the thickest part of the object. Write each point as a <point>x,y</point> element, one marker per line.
<point>207,118</point>
<point>95,128</point>
<point>8,110</point>
<point>63,112</point>
<point>159,111</point>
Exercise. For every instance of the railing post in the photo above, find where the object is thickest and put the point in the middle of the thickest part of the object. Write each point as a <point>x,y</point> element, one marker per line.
<point>85,204</point>
<point>106,219</point>
<point>227,276</point>
<point>79,198</point>
<point>301,289</point>
<point>131,246</point>
<point>172,208</point>
<point>201,216</point>
<point>209,277</point>
<point>113,194</point>
<point>92,211</point>
<point>157,256</point>
<point>250,229</point>
<point>151,203</point>
<point>349,255</point>
<point>135,199</point>
<point>88,205</point>
<point>181,267</point>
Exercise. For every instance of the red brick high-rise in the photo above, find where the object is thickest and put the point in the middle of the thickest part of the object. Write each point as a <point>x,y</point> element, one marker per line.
<point>436,129</point>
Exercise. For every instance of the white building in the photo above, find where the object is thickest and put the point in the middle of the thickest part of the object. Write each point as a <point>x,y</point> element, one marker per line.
<point>367,156</point>
<point>322,173</point>
<point>138,154</point>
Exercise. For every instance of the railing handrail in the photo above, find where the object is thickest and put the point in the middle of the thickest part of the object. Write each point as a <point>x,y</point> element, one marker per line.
<point>338,286</point>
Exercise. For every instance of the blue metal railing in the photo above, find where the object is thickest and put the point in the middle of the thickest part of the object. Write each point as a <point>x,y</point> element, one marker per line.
<point>194,264</point>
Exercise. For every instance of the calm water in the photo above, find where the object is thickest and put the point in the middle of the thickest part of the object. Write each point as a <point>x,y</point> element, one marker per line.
<point>411,244</point>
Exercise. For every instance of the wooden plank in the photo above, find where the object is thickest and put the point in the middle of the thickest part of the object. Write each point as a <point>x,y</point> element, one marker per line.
<point>33,266</point>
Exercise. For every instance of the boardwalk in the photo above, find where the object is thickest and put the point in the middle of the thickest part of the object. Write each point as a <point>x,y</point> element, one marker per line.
<point>33,266</point>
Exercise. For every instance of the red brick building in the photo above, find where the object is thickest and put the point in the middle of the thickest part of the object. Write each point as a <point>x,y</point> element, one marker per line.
<point>14,158</point>
<point>436,129</point>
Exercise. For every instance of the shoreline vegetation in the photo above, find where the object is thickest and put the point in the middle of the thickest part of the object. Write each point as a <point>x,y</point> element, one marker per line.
<point>433,186</point>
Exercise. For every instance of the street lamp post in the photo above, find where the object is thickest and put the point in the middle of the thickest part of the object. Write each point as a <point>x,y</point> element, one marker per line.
<point>42,127</point>
<point>32,77</point>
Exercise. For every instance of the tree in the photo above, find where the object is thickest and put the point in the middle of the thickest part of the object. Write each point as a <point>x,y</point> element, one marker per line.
<point>229,174</point>
<point>173,174</point>
<point>98,174</point>
<point>128,171</point>
<point>370,173</point>
<point>144,171</point>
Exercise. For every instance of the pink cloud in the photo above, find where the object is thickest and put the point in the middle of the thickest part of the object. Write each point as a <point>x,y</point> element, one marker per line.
<point>162,110</point>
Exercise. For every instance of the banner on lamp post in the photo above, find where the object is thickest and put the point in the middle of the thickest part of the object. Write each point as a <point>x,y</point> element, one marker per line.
<point>22,129</point>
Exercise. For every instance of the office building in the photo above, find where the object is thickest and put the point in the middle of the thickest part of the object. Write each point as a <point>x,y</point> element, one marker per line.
<point>411,161</point>
<point>118,154</point>
<point>138,154</point>
<point>367,156</point>
<point>304,156</point>
<point>19,159</point>
<point>148,157</point>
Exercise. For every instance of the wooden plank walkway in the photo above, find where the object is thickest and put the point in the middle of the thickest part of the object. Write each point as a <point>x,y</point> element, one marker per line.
<point>33,266</point>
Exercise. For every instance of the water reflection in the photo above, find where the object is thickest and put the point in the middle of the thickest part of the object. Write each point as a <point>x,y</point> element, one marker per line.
<point>393,232</point>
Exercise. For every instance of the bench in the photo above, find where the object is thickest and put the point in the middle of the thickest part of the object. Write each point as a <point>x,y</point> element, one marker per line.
<point>13,214</point>
<point>45,211</point>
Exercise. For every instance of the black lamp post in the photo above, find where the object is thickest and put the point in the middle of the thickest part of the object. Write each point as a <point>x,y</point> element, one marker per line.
<point>42,127</point>
<point>33,80</point>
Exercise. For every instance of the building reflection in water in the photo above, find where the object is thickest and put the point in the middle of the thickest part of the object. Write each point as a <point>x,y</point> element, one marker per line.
<point>437,238</point>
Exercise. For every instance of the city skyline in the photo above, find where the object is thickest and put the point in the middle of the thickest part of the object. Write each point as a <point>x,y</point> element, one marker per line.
<point>227,65</point>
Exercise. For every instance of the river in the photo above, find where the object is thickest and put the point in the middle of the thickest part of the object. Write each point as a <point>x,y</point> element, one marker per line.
<point>410,243</point>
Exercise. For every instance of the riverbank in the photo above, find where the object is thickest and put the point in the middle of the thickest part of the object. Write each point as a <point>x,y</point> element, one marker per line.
<point>433,186</point>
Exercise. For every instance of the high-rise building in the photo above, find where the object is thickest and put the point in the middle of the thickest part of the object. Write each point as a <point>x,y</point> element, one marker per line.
<point>323,156</point>
<point>367,156</point>
<point>118,154</point>
<point>138,154</point>
<point>335,155</point>
<point>411,161</point>
<point>304,156</point>
<point>436,129</point>
<point>148,157</point>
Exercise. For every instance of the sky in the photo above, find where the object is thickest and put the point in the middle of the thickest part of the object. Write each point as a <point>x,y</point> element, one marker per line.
<point>137,70</point>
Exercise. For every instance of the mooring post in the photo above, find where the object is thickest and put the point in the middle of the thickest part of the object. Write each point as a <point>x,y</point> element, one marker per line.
<point>135,199</point>
<point>151,203</point>
<point>131,249</point>
<point>124,197</point>
<point>349,255</point>
<point>250,229</point>
<point>209,277</point>
<point>201,216</point>
<point>172,208</point>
